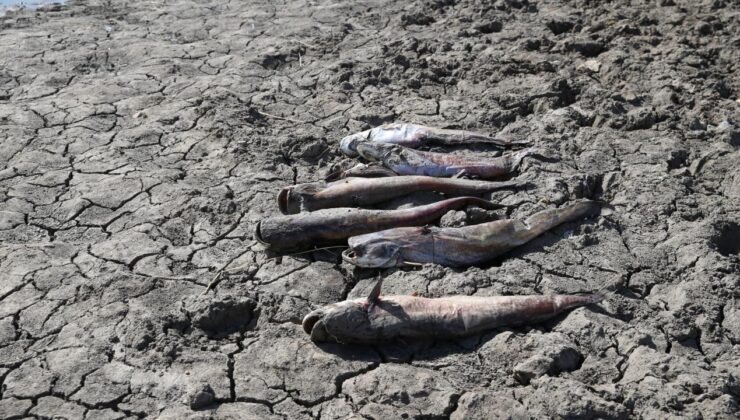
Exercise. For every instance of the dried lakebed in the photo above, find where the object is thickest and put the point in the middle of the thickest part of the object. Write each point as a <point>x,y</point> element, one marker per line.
<point>140,147</point>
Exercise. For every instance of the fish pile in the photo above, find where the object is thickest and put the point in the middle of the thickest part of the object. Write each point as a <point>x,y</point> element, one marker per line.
<point>339,212</point>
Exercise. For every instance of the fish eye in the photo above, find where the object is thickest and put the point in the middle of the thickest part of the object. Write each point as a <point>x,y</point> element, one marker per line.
<point>382,251</point>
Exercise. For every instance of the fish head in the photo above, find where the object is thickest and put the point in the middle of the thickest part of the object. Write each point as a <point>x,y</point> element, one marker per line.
<point>374,151</point>
<point>348,145</point>
<point>294,198</point>
<point>339,321</point>
<point>376,250</point>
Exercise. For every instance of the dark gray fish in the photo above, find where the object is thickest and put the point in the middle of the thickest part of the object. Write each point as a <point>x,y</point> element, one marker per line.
<point>334,226</point>
<point>362,192</point>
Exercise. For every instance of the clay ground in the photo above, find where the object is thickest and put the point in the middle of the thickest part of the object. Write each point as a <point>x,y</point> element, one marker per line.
<point>139,148</point>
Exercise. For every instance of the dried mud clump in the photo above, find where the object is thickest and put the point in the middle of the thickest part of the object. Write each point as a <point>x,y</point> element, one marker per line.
<point>726,238</point>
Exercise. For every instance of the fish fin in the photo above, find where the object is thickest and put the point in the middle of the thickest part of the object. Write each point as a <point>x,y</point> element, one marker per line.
<point>596,297</point>
<point>375,293</point>
<point>462,174</point>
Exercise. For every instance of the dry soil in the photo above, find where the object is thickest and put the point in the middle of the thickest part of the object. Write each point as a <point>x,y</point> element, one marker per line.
<point>142,140</point>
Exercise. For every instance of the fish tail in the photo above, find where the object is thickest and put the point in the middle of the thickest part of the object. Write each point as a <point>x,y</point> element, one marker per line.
<point>459,202</point>
<point>565,302</point>
<point>548,219</point>
<point>595,297</point>
<point>518,157</point>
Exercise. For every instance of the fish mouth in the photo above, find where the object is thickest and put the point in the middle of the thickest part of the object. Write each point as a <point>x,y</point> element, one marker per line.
<point>313,325</point>
<point>310,320</point>
<point>258,235</point>
<point>349,256</point>
<point>282,199</point>
<point>348,145</point>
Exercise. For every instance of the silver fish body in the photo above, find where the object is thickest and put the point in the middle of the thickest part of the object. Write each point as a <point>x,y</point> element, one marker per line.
<point>394,317</point>
<point>405,161</point>
<point>413,136</point>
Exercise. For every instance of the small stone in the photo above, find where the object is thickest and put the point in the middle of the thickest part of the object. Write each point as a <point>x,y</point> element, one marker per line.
<point>478,215</point>
<point>704,28</point>
<point>533,367</point>
<point>560,25</point>
<point>550,360</point>
<point>587,47</point>
<point>453,219</point>
<point>489,27</point>
<point>728,132</point>
<point>592,66</point>
<point>201,396</point>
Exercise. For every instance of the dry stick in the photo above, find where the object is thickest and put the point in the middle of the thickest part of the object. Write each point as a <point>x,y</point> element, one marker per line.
<point>215,279</point>
<point>333,173</point>
<point>413,264</point>
<point>306,44</point>
<point>309,251</point>
<point>281,118</point>
<point>212,283</point>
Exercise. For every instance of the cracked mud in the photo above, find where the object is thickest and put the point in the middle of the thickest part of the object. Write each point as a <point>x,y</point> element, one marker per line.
<point>141,142</point>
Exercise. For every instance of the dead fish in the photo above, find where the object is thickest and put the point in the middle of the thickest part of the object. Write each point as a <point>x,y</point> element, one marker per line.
<point>413,136</point>
<point>376,319</point>
<point>332,226</point>
<point>405,161</point>
<point>457,247</point>
<point>362,170</point>
<point>362,192</point>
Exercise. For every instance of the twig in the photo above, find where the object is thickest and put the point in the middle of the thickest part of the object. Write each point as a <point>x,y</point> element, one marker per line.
<point>212,283</point>
<point>217,277</point>
<point>413,264</point>
<point>306,44</point>
<point>307,252</point>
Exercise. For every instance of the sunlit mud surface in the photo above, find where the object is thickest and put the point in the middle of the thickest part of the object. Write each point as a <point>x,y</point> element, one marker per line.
<point>142,141</point>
